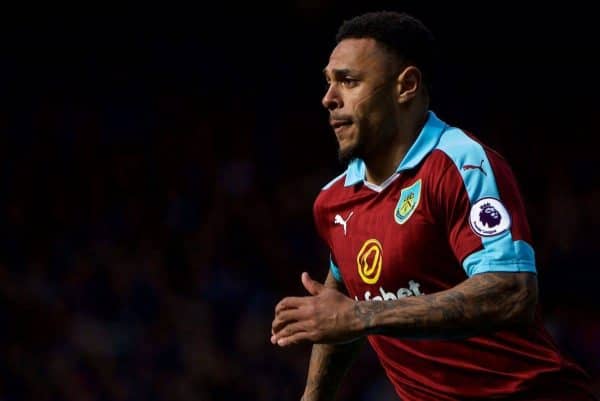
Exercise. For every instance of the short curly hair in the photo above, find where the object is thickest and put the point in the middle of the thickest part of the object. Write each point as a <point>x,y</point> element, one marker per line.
<point>400,33</point>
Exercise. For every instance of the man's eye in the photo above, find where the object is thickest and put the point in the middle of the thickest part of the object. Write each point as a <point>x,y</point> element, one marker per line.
<point>349,82</point>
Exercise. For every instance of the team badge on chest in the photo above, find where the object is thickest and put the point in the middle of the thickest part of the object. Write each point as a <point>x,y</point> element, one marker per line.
<point>408,202</point>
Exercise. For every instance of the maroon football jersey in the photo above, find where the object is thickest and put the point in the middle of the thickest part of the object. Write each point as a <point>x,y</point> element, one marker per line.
<point>451,210</point>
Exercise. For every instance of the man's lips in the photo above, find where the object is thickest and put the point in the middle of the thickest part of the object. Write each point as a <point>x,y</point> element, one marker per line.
<point>337,123</point>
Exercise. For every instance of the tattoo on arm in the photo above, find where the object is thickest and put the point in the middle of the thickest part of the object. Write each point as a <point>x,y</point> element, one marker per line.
<point>483,302</point>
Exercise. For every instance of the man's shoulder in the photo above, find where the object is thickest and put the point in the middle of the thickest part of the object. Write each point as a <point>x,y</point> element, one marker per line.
<point>457,142</point>
<point>330,194</point>
<point>339,180</point>
<point>463,146</point>
<point>332,190</point>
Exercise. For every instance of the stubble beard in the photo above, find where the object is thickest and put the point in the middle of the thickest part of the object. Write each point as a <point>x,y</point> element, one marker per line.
<point>354,151</point>
<point>361,150</point>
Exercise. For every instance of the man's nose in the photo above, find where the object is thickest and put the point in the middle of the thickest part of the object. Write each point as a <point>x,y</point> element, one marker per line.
<point>332,99</point>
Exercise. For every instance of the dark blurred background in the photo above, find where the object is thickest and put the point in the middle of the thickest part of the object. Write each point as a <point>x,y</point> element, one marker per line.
<point>158,168</point>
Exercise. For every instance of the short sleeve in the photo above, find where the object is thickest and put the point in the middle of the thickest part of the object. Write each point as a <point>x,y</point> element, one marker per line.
<point>482,208</point>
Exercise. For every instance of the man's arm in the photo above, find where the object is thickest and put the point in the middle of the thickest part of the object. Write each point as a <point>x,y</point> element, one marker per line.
<point>483,302</point>
<point>328,362</point>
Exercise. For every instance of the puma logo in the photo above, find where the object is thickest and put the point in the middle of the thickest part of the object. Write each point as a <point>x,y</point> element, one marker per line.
<point>474,167</point>
<point>339,220</point>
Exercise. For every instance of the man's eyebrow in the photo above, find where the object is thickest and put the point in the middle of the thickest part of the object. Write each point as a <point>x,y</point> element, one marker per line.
<point>337,71</point>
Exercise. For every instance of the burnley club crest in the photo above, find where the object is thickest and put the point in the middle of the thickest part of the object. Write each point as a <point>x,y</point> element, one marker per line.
<point>408,202</point>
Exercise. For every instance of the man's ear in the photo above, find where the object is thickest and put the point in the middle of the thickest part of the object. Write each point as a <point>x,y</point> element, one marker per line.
<point>408,84</point>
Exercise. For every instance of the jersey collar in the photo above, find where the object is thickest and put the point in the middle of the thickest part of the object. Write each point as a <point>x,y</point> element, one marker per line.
<point>425,142</point>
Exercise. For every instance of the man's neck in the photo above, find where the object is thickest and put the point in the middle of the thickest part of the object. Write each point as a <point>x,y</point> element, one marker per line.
<point>383,163</point>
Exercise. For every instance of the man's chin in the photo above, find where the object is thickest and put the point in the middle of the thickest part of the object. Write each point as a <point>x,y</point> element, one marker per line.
<point>346,154</point>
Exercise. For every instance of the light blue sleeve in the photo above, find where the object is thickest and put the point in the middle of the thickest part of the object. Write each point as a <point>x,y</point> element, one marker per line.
<point>500,251</point>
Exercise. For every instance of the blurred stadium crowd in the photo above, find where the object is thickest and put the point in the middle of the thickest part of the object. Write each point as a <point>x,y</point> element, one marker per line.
<point>155,207</point>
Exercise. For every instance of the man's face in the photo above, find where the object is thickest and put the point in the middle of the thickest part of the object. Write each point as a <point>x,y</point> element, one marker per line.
<point>360,96</point>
